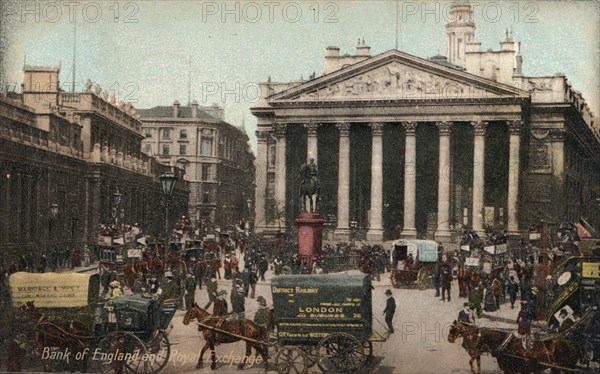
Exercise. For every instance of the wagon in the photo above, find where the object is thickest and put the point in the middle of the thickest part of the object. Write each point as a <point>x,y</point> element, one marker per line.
<point>425,254</point>
<point>72,317</point>
<point>324,320</point>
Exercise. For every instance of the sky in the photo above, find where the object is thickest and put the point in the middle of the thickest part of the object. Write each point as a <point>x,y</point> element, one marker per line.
<point>146,51</point>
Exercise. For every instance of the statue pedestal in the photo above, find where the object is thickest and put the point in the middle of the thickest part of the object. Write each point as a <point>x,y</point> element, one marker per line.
<point>310,237</point>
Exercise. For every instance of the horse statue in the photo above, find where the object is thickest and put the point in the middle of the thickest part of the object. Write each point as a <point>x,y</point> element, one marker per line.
<point>220,330</point>
<point>309,187</point>
<point>509,352</point>
<point>63,334</point>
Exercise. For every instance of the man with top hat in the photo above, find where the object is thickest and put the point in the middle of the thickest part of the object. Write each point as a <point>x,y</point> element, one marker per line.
<point>390,309</point>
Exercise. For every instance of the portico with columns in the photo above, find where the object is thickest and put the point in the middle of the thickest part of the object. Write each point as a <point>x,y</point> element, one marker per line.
<point>385,108</point>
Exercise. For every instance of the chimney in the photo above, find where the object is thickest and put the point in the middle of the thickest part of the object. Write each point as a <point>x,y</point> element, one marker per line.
<point>176,109</point>
<point>363,49</point>
<point>332,52</point>
<point>194,109</point>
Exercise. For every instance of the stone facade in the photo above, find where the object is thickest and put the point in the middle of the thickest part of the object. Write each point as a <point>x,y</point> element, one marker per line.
<point>73,151</point>
<point>216,156</point>
<point>414,147</point>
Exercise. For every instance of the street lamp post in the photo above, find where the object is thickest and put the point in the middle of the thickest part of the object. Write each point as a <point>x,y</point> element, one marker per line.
<point>167,182</point>
<point>116,201</point>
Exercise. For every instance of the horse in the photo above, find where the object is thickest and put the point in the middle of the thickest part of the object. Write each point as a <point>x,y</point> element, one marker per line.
<point>310,190</point>
<point>254,335</point>
<point>509,351</point>
<point>70,335</point>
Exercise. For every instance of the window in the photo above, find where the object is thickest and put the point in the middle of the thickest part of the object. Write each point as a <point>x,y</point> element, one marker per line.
<point>148,133</point>
<point>206,172</point>
<point>147,148</point>
<point>182,134</point>
<point>166,133</point>
<point>206,147</point>
<point>182,149</point>
<point>205,198</point>
<point>166,150</point>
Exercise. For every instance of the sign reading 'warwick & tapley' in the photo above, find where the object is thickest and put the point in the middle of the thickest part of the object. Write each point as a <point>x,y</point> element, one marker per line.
<point>53,290</point>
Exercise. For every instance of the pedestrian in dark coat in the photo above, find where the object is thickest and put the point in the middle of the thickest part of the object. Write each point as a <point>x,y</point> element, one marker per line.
<point>190,291</point>
<point>446,282</point>
<point>263,266</point>
<point>437,282</point>
<point>238,301</point>
<point>43,263</point>
<point>390,309</point>
<point>513,289</point>
<point>497,291</point>
<point>524,324</point>
<point>220,307</point>
<point>245,277</point>
<point>475,299</point>
<point>211,289</point>
<point>198,274</point>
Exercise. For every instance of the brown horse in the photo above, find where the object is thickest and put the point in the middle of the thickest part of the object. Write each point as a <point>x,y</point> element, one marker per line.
<point>71,335</point>
<point>509,351</point>
<point>254,335</point>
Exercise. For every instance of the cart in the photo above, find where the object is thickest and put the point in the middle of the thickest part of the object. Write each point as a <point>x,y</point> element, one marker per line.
<point>324,320</point>
<point>425,254</point>
<point>74,318</point>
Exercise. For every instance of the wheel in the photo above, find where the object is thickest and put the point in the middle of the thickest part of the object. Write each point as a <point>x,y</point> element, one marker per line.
<point>340,353</point>
<point>120,352</point>
<point>159,351</point>
<point>291,360</point>
<point>311,353</point>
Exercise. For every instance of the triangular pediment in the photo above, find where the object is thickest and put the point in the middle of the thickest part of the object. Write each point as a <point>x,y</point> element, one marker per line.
<point>395,75</point>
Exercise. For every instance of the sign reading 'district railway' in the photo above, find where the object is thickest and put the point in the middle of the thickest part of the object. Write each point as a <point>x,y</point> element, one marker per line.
<point>310,307</point>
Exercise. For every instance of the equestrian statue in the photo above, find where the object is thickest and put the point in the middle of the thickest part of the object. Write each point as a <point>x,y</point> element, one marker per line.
<point>309,186</point>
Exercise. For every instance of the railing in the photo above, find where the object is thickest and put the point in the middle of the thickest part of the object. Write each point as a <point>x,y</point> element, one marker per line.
<point>338,263</point>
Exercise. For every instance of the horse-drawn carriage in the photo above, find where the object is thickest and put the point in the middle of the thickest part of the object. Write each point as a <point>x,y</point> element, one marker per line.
<point>73,328</point>
<point>572,293</point>
<point>323,319</point>
<point>411,256</point>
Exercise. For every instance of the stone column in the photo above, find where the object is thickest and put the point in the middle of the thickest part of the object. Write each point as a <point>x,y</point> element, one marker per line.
<point>261,181</point>
<point>514,128</point>
<point>375,232</point>
<point>442,233</point>
<point>478,174</point>
<point>410,180</point>
<point>342,231</point>
<point>280,169</point>
<point>311,142</point>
